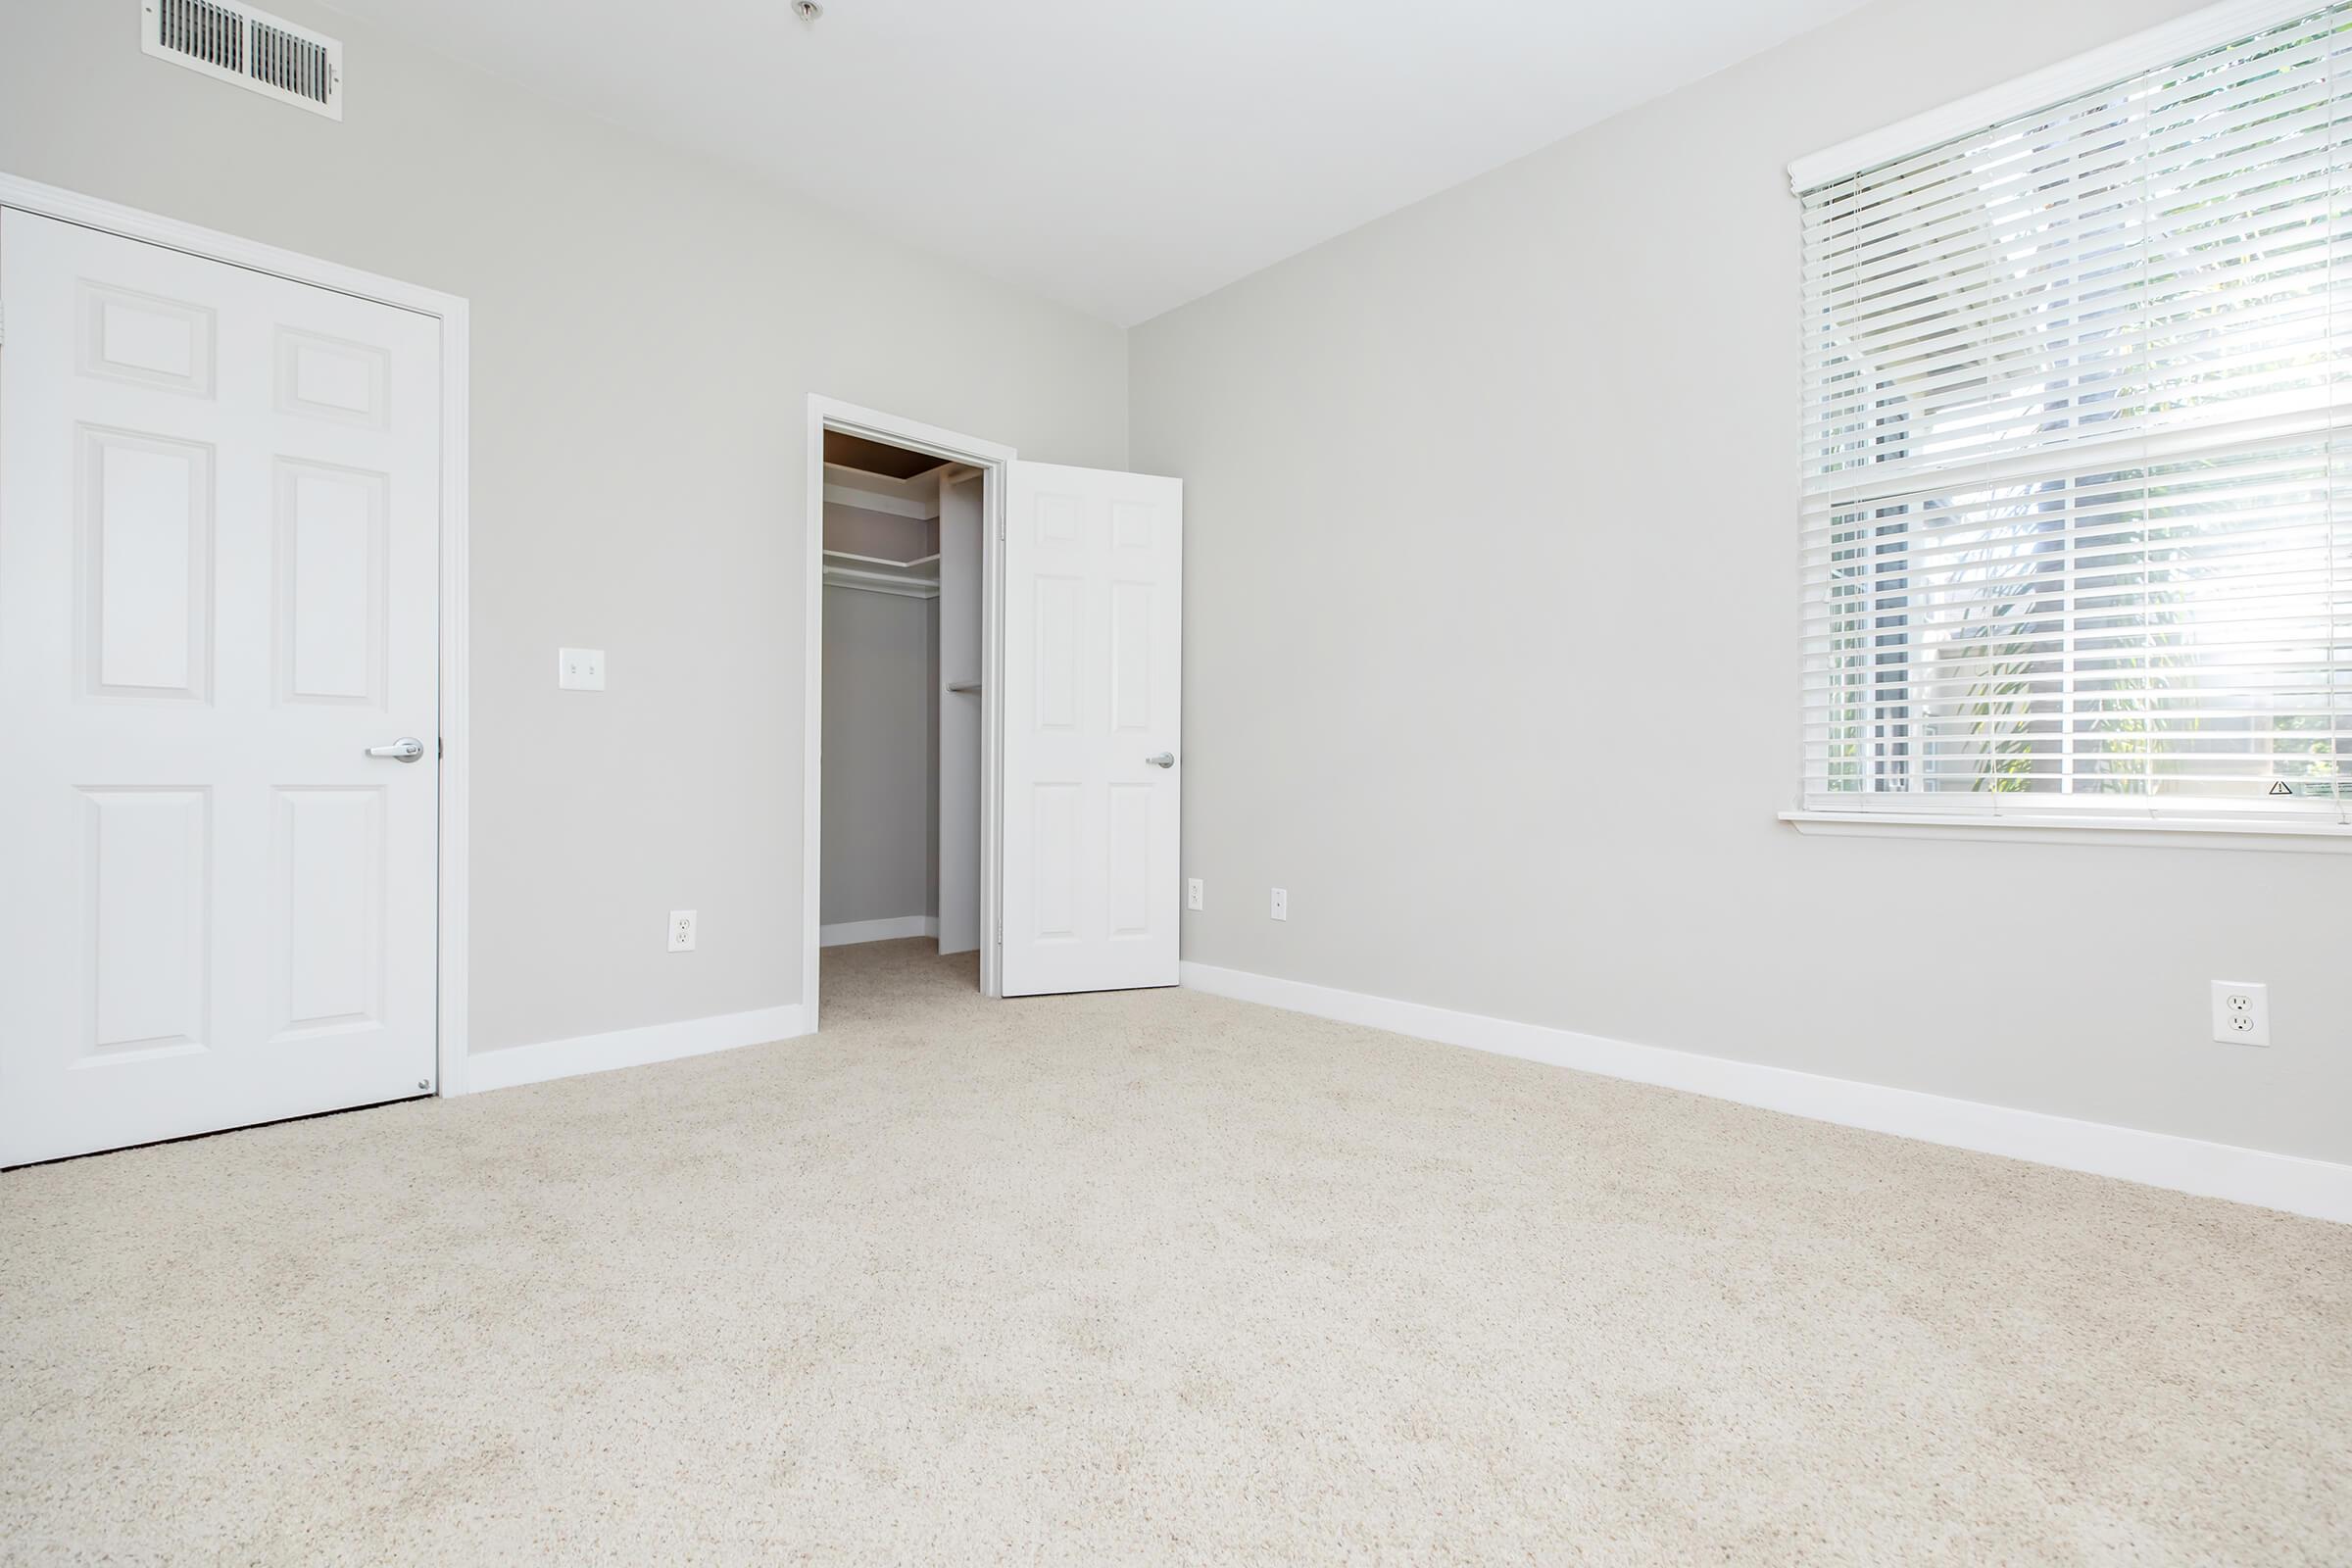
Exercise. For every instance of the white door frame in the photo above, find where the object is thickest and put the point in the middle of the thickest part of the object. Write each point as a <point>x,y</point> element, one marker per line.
<point>993,459</point>
<point>450,903</point>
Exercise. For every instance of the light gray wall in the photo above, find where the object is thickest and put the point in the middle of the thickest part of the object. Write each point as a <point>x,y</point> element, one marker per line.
<point>1491,632</point>
<point>884,536</point>
<point>646,330</point>
<point>880,735</point>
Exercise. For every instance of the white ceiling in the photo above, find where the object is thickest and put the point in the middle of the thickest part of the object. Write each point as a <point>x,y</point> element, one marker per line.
<point>1121,156</point>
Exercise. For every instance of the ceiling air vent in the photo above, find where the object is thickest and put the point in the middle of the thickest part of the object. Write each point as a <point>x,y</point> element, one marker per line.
<point>251,48</point>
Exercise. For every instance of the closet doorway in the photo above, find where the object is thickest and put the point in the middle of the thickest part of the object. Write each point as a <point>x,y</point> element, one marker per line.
<point>906,555</point>
<point>994,664</point>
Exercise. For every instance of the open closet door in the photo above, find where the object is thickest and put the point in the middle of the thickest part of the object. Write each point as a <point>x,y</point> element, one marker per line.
<point>1091,763</point>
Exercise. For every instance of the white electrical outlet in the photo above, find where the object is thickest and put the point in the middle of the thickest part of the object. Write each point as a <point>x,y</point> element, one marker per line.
<point>1194,898</point>
<point>1282,904</point>
<point>580,670</point>
<point>681,930</point>
<point>2241,1012</point>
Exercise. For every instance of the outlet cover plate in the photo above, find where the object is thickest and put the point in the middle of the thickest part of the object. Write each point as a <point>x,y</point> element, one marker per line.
<point>2241,1012</point>
<point>682,924</point>
<point>580,670</point>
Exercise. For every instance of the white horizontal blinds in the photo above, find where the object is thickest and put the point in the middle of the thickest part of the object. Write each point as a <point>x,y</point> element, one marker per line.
<point>2078,496</point>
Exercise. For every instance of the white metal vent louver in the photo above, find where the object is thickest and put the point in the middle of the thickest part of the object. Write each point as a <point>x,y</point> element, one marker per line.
<point>254,49</point>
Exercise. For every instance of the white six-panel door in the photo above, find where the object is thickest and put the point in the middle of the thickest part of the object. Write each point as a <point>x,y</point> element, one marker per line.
<point>1092,756</point>
<point>218,536</point>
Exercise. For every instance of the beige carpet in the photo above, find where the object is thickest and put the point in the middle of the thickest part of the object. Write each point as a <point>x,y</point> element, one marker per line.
<point>1151,1277</point>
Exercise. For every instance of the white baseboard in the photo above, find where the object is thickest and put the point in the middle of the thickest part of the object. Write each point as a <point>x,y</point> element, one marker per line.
<point>629,1048</point>
<point>849,932</point>
<point>2289,1182</point>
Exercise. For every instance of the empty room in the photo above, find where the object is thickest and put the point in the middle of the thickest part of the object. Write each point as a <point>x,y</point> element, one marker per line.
<point>882,781</point>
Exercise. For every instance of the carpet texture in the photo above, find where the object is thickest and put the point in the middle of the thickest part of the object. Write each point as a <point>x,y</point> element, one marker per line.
<point>1147,1277</point>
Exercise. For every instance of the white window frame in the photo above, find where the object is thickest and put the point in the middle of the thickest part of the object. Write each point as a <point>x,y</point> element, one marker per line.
<point>2048,822</point>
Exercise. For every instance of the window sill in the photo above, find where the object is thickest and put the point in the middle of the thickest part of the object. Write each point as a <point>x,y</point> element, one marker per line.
<point>2179,834</point>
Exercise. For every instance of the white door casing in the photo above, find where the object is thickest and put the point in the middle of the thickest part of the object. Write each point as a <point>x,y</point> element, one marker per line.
<point>961,517</point>
<point>220,500</point>
<point>1092,587</point>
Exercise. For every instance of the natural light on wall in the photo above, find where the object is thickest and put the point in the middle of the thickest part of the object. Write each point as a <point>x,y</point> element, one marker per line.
<point>2077,506</point>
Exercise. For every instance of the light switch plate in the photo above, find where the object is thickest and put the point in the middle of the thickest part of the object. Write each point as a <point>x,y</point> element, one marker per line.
<point>580,670</point>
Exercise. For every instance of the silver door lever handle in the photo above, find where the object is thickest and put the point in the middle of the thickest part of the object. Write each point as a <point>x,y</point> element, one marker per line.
<point>407,749</point>
<point>1164,759</point>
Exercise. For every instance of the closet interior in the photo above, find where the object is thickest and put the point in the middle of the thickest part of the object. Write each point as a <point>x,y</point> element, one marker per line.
<point>900,821</point>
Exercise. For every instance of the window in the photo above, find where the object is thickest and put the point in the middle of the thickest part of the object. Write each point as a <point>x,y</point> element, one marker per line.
<point>2078,488</point>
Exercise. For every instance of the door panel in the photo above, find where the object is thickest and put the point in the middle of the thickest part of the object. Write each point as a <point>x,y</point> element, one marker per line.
<point>145,546</point>
<point>330,584</point>
<point>218,584</point>
<point>328,886</point>
<point>149,919</point>
<point>1093,580</point>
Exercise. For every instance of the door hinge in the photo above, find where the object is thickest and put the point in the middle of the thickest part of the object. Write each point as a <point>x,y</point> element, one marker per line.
<point>1000,931</point>
<point>3,324</point>
<point>440,748</point>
